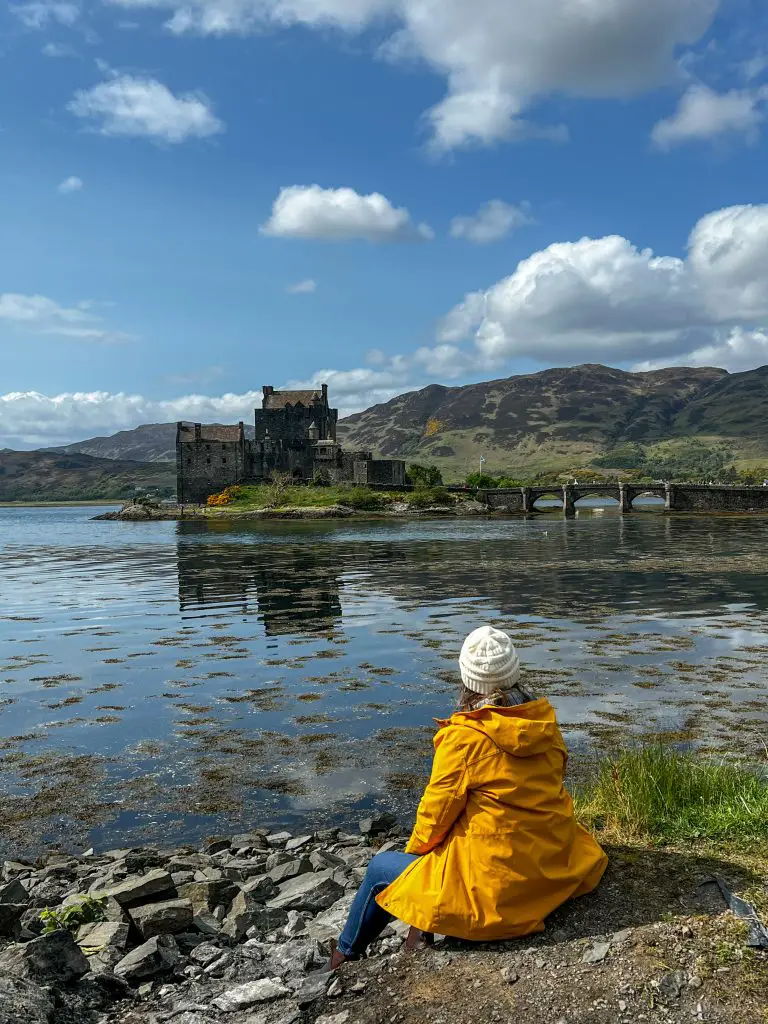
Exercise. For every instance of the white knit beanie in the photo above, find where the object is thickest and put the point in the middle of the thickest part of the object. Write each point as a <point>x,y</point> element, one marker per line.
<point>488,661</point>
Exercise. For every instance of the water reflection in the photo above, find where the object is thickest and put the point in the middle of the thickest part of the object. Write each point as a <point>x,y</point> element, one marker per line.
<point>195,678</point>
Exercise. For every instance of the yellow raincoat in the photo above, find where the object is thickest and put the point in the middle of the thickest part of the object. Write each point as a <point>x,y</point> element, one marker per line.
<point>500,846</point>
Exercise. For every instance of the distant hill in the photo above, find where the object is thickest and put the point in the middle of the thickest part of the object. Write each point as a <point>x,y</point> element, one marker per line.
<point>151,442</point>
<point>557,419</point>
<point>563,418</point>
<point>56,476</point>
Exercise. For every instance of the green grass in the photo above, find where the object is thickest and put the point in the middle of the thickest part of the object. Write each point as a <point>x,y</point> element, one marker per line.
<point>657,793</point>
<point>258,496</point>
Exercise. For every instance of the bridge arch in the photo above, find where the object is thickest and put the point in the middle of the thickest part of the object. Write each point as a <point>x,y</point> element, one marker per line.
<point>546,494</point>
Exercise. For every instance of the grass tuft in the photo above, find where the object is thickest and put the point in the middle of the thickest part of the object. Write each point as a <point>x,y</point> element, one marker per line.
<point>657,793</point>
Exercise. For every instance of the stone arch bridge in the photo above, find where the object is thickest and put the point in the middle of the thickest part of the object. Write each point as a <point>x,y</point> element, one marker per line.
<point>677,497</point>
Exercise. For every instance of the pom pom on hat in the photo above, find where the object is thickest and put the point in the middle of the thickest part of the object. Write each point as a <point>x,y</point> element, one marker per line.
<point>488,661</point>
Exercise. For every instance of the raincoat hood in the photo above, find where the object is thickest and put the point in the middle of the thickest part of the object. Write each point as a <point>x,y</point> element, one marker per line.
<point>523,730</point>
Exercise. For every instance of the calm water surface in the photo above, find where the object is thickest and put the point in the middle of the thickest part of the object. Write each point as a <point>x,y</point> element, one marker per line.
<point>167,681</point>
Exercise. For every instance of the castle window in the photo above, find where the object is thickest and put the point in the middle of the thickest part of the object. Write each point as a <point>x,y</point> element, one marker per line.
<point>223,461</point>
<point>208,448</point>
<point>208,460</point>
<point>189,462</point>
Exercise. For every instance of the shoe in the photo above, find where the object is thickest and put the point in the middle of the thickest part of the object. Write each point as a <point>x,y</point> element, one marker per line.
<point>417,939</point>
<point>337,959</point>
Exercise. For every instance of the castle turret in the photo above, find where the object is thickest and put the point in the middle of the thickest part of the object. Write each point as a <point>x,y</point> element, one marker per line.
<point>313,432</point>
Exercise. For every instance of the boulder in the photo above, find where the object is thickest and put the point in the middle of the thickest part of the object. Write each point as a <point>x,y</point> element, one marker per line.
<point>248,841</point>
<point>10,918</point>
<point>104,933</point>
<point>378,824</point>
<point>48,959</point>
<point>209,894</point>
<point>261,888</point>
<point>205,954</point>
<point>290,869</point>
<point>322,860</point>
<point>166,918</point>
<point>278,839</point>
<point>23,1002</point>
<point>158,955</point>
<point>13,893</point>
<point>253,992</point>
<point>240,917</point>
<point>329,924</point>
<point>297,843</point>
<point>138,888</point>
<point>313,892</point>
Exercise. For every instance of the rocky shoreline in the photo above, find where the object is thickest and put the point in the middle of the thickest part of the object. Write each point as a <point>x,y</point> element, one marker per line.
<point>236,931</point>
<point>398,510</point>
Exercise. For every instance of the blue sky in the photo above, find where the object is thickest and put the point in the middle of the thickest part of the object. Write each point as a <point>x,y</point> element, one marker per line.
<point>203,197</point>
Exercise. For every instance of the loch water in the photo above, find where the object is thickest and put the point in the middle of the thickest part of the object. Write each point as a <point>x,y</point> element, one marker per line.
<point>161,682</point>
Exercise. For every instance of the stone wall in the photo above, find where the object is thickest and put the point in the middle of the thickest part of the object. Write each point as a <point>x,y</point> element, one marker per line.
<point>291,425</point>
<point>692,498</point>
<point>386,472</point>
<point>207,467</point>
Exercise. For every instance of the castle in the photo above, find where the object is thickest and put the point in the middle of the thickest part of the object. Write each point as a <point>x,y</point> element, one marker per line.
<point>295,433</point>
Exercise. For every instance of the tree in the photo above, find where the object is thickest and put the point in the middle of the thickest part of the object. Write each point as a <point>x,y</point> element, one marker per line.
<point>424,476</point>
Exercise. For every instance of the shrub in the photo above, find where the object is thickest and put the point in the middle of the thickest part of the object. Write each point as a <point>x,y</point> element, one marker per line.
<point>70,918</point>
<point>228,495</point>
<point>363,498</point>
<point>423,497</point>
<point>424,476</point>
<point>481,480</point>
<point>508,481</point>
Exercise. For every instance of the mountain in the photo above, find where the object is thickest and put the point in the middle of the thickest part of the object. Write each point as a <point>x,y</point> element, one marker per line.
<point>151,442</point>
<point>563,418</point>
<point>558,419</point>
<point>56,476</point>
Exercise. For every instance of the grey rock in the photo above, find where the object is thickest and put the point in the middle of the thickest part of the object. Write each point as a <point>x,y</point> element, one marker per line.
<point>378,824</point>
<point>240,917</point>
<point>295,925</point>
<point>156,956</point>
<point>216,845</point>
<point>206,923</point>
<point>278,839</point>
<point>297,843</point>
<point>313,988</point>
<point>208,894</point>
<point>508,976</point>
<point>322,860</point>
<point>10,918</point>
<point>313,892</point>
<point>596,953</point>
<point>329,924</point>
<point>671,985</point>
<point>180,878</point>
<point>290,869</point>
<point>140,887</point>
<point>264,921</point>
<point>23,1002</point>
<point>13,892</point>
<point>335,989</point>
<point>252,992</point>
<point>49,959</point>
<point>334,1018</point>
<point>104,933</point>
<point>356,858</point>
<point>248,841</point>
<point>206,953</point>
<point>166,918</point>
<point>695,981</point>
<point>260,888</point>
<point>218,967</point>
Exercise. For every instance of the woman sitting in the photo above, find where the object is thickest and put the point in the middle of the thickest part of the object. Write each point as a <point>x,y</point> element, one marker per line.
<point>496,846</point>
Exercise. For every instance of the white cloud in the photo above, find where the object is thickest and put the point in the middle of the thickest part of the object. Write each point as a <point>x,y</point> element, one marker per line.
<point>40,14</point>
<point>71,184</point>
<point>42,315</point>
<point>302,287</point>
<point>492,222</point>
<point>32,418</point>
<point>703,115</point>
<point>340,215</point>
<point>604,299</point>
<point>145,108</point>
<point>735,350</point>
<point>58,50</point>
<point>498,56</point>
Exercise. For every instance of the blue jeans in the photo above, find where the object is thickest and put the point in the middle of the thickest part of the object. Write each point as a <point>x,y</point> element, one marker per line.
<point>366,919</point>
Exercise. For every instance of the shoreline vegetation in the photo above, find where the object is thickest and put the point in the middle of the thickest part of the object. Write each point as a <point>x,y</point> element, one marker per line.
<point>231,932</point>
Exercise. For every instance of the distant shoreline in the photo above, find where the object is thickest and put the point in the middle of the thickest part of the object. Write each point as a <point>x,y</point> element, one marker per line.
<point>61,504</point>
